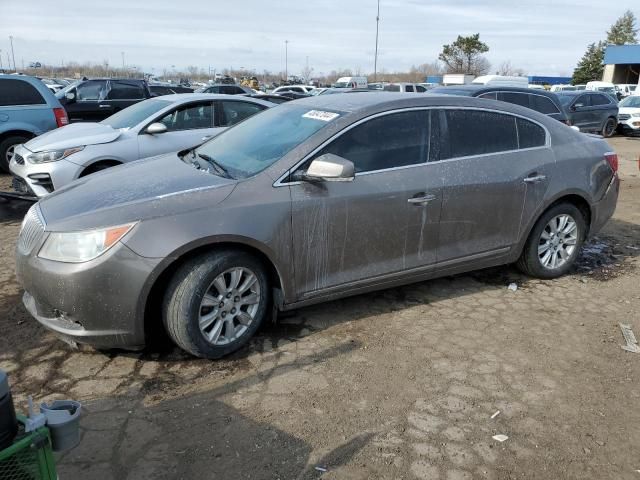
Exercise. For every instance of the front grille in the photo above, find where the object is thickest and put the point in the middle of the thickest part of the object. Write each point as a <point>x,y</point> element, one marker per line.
<point>18,158</point>
<point>623,117</point>
<point>32,230</point>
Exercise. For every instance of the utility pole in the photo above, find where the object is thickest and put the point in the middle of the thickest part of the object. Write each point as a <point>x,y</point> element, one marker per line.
<point>122,60</point>
<point>375,60</point>
<point>12,54</point>
<point>0,59</point>
<point>286,60</point>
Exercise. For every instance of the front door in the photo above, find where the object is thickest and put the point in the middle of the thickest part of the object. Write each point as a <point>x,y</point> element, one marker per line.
<point>496,168</point>
<point>86,105</point>
<point>383,222</point>
<point>187,126</point>
<point>582,115</point>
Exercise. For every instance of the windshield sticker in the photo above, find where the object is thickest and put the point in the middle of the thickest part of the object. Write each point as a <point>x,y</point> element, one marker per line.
<point>320,115</point>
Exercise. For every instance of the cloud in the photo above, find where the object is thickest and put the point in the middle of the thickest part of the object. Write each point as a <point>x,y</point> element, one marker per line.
<point>543,37</point>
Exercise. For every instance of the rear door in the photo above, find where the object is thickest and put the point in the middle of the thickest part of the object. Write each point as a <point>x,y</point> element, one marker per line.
<point>385,221</point>
<point>122,94</point>
<point>496,168</point>
<point>187,126</point>
<point>230,112</point>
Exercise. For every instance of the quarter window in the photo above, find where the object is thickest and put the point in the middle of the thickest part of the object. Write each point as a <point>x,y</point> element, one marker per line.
<point>478,132</point>
<point>489,95</point>
<point>530,135</point>
<point>234,112</point>
<point>19,92</point>
<point>189,117</point>
<point>394,140</point>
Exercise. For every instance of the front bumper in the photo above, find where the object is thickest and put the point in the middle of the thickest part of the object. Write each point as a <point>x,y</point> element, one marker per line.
<point>100,302</point>
<point>630,125</point>
<point>41,178</point>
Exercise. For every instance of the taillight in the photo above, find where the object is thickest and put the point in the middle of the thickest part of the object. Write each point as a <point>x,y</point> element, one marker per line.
<point>61,117</point>
<point>612,159</point>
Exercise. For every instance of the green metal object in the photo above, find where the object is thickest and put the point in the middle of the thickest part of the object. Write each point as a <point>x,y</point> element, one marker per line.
<point>30,457</point>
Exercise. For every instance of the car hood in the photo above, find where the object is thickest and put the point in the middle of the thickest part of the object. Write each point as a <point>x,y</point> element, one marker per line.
<point>149,188</point>
<point>74,135</point>
<point>629,110</point>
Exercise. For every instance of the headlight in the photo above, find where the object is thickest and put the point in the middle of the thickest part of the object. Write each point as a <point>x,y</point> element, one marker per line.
<point>78,247</point>
<point>52,155</point>
<point>635,114</point>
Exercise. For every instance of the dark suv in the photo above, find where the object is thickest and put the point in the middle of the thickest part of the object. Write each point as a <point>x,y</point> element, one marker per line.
<point>539,100</point>
<point>96,99</point>
<point>226,89</point>
<point>591,111</point>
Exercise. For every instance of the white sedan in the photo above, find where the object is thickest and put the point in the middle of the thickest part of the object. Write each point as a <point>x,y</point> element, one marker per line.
<point>159,125</point>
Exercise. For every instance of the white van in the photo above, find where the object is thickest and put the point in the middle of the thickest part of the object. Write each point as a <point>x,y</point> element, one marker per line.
<point>351,82</point>
<point>501,81</point>
<point>457,79</point>
<point>626,89</point>
<point>606,87</point>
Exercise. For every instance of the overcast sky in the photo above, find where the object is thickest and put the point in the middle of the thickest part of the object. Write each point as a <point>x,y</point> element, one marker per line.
<point>542,37</point>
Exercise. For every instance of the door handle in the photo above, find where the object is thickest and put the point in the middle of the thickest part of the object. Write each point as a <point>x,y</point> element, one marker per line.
<point>421,200</point>
<point>104,106</point>
<point>535,179</point>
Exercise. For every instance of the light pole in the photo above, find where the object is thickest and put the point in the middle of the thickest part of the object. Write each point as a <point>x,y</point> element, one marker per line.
<point>0,59</point>
<point>375,60</point>
<point>122,53</point>
<point>286,60</point>
<point>12,54</point>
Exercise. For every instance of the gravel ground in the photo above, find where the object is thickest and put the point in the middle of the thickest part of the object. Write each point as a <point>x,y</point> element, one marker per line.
<point>401,383</point>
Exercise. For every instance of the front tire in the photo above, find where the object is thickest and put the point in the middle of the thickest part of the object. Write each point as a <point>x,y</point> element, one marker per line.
<point>554,243</point>
<point>215,302</point>
<point>7,147</point>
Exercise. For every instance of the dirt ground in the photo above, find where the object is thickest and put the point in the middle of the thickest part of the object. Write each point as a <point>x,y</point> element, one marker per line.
<point>397,384</point>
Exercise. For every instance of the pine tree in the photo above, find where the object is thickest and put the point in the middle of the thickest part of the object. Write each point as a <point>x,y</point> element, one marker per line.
<point>624,31</point>
<point>591,66</point>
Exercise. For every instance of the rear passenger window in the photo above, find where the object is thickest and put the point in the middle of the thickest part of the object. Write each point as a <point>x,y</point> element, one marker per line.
<point>420,89</point>
<point>234,112</point>
<point>125,91</point>
<point>394,140</point>
<point>478,132</point>
<point>599,100</point>
<point>409,88</point>
<point>530,135</point>
<point>19,92</point>
<point>543,105</point>
<point>521,99</point>
<point>91,90</point>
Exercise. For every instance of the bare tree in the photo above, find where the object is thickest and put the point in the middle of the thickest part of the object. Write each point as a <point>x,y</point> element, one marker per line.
<point>506,68</point>
<point>306,73</point>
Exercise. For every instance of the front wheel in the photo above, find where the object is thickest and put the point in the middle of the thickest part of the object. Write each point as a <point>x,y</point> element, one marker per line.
<point>554,243</point>
<point>610,127</point>
<point>216,302</point>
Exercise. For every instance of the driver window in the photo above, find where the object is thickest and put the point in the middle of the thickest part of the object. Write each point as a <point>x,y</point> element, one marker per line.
<point>189,117</point>
<point>91,90</point>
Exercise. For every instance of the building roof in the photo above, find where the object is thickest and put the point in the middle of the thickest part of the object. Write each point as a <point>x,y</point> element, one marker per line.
<point>622,54</point>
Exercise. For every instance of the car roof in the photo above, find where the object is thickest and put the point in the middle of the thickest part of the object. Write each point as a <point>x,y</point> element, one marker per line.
<point>575,93</point>
<point>194,97</point>
<point>471,89</point>
<point>373,101</point>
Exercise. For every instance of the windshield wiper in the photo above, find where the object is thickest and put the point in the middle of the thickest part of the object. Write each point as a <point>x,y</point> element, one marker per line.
<point>220,168</point>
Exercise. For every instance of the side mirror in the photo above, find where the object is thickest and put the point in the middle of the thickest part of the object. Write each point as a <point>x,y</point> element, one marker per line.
<point>330,168</point>
<point>70,96</point>
<point>156,128</point>
<point>577,129</point>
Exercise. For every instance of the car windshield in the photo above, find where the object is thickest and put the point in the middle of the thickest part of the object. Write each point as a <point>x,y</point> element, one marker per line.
<point>133,115</point>
<point>261,140</point>
<point>630,102</point>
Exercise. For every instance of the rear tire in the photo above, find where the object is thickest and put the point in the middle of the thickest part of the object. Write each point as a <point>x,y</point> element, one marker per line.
<point>610,127</point>
<point>6,150</point>
<point>554,243</point>
<point>215,302</point>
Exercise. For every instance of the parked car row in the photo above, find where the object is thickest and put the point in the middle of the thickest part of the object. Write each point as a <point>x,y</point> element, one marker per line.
<point>308,201</point>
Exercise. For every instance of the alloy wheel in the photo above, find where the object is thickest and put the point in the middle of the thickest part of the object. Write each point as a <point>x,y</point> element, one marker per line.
<point>229,306</point>
<point>10,153</point>
<point>558,241</point>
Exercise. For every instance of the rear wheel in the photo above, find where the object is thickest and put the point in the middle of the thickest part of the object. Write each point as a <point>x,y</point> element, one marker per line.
<point>7,150</point>
<point>554,243</point>
<point>610,127</point>
<point>216,302</point>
